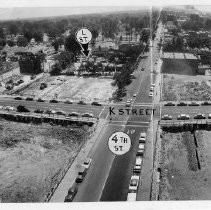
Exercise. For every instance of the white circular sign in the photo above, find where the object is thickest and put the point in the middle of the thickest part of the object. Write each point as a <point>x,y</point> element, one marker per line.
<point>83,36</point>
<point>119,143</point>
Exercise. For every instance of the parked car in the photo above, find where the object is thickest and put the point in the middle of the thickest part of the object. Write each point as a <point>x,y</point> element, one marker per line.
<point>43,86</point>
<point>142,138</point>
<point>71,193</point>
<point>128,103</point>
<point>206,103</point>
<point>81,103</point>
<point>151,94</point>
<point>169,104</point>
<point>182,104</point>
<point>134,181</point>
<point>53,101</point>
<point>39,111</point>
<point>60,112</point>
<point>29,99</point>
<point>87,115</point>
<point>193,103</point>
<point>209,116</point>
<point>142,69</point>
<point>87,162</point>
<point>18,98</point>
<point>135,94</point>
<point>81,174</point>
<point>68,102</point>
<point>40,100</point>
<point>73,114</point>
<point>183,117</point>
<point>9,108</point>
<point>96,104</point>
<point>153,85</point>
<point>200,116</point>
<point>33,77</point>
<point>21,108</point>
<point>166,117</point>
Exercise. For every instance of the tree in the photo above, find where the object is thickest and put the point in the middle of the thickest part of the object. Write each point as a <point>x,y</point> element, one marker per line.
<point>55,44</point>
<point>72,45</point>
<point>55,69</point>
<point>22,41</point>
<point>10,43</point>
<point>2,42</point>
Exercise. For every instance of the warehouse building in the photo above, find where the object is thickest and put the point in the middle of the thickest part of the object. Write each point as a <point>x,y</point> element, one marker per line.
<point>180,63</point>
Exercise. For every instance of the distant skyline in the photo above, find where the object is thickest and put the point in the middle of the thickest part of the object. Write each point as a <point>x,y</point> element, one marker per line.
<point>39,12</point>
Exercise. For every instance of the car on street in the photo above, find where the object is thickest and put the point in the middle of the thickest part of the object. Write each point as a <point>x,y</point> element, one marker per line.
<point>153,85</point>
<point>71,193</point>
<point>200,116</point>
<point>138,164</point>
<point>81,174</point>
<point>68,102</point>
<point>134,182</point>
<point>9,108</point>
<point>141,146</point>
<point>166,117</point>
<point>81,103</point>
<point>39,111</point>
<point>142,138</point>
<point>87,115</point>
<point>181,103</point>
<point>94,103</point>
<point>21,108</point>
<point>183,117</point>
<point>73,114</point>
<point>53,101</point>
<point>128,103</point>
<point>151,88</point>
<point>87,162</point>
<point>60,112</point>
<point>131,196</point>
<point>206,103</point>
<point>169,104</point>
<point>18,98</point>
<point>135,94</point>
<point>29,99</point>
<point>40,100</point>
<point>151,94</point>
<point>193,103</point>
<point>209,116</point>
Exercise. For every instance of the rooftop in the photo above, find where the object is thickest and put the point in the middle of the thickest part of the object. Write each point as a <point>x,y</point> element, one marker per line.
<point>172,55</point>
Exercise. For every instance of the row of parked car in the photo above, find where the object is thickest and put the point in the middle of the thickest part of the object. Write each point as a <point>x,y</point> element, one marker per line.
<point>61,112</point>
<point>192,103</point>
<point>186,117</point>
<point>94,103</point>
<point>136,178</point>
<point>81,175</point>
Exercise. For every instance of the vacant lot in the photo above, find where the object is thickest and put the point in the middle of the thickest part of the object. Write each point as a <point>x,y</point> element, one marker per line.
<point>32,157</point>
<point>183,175</point>
<point>187,88</point>
<point>71,88</point>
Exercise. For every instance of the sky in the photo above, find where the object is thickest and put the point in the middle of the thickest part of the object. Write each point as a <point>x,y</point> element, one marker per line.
<point>30,12</point>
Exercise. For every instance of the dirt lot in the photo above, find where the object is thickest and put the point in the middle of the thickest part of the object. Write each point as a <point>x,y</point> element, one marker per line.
<point>71,88</point>
<point>183,176</point>
<point>31,158</point>
<point>187,88</point>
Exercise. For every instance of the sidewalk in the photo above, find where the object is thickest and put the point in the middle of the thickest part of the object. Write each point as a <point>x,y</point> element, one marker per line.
<point>144,192</point>
<point>72,173</point>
